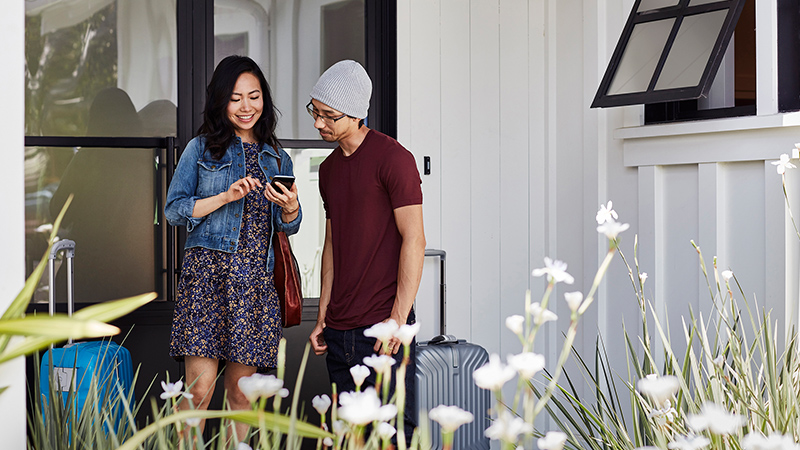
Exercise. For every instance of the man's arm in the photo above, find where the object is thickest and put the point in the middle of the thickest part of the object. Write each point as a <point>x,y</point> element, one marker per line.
<point>412,256</point>
<point>317,341</point>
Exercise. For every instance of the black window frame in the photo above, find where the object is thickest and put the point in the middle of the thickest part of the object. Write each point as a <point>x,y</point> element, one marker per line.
<point>678,12</point>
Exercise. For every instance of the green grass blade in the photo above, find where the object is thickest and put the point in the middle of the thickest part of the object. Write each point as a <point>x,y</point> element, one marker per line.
<point>112,310</point>
<point>252,418</point>
<point>57,326</point>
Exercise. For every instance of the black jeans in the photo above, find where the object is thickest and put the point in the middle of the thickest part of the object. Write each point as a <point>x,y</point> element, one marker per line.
<point>346,348</point>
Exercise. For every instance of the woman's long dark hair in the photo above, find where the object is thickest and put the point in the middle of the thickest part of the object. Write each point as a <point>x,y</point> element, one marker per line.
<point>216,126</point>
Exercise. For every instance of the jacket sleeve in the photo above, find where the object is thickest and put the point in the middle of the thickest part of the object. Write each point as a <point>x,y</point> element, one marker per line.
<point>287,168</point>
<point>182,193</point>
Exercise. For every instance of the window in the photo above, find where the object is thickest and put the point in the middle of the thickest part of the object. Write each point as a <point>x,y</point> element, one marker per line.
<point>76,48</point>
<point>696,59</point>
<point>100,78</point>
<point>733,91</point>
<point>672,50</point>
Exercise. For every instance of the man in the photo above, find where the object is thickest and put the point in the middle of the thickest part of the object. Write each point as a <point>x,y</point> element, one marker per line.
<point>374,238</point>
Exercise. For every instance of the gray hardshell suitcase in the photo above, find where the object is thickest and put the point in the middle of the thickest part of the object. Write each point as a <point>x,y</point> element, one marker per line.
<point>444,377</point>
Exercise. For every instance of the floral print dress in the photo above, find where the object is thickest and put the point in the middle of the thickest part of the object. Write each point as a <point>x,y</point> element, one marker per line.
<point>227,307</point>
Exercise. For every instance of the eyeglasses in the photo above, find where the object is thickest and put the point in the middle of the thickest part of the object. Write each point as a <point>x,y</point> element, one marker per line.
<point>327,119</point>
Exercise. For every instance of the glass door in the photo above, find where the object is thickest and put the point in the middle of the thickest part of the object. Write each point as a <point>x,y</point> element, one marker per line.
<point>101,101</point>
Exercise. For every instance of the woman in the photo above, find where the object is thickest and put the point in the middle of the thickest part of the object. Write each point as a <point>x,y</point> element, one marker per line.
<point>227,307</point>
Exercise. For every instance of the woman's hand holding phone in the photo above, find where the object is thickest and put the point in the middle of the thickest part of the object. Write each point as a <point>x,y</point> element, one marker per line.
<point>283,192</point>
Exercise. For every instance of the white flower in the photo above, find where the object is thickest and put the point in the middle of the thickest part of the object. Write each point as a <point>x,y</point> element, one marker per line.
<point>406,333</point>
<point>387,412</point>
<point>689,442</point>
<point>606,214</point>
<point>385,431</point>
<point>450,417</point>
<point>556,271</point>
<point>382,331</point>
<point>340,427</point>
<point>658,389</point>
<point>540,315</point>
<point>515,323</point>
<point>193,421</point>
<point>574,300</point>
<point>381,364</point>
<point>526,364</point>
<point>361,408</point>
<point>665,415</point>
<point>321,403</point>
<point>492,375</point>
<point>553,440</point>
<point>327,442</point>
<point>507,428</point>
<point>612,229</point>
<point>727,275</point>
<point>359,373</point>
<point>172,390</point>
<point>642,277</point>
<point>783,164</point>
<point>718,361</point>
<point>259,385</point>
<point>243,446</point>
<point>775,441</point>
<point>716,419</point>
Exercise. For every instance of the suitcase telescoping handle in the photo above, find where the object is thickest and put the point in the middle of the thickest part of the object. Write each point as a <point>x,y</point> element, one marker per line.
<point>442,286</point>
<point>68,247</point>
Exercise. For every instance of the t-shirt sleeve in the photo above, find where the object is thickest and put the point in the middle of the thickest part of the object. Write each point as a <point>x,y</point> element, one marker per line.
<point>402,179</point>
<point>323,178</point>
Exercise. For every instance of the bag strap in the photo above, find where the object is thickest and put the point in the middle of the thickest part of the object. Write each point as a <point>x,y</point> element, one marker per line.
<point>274,220</point>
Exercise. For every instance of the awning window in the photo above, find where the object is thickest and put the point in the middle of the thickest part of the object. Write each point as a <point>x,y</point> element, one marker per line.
<point>669,50</point>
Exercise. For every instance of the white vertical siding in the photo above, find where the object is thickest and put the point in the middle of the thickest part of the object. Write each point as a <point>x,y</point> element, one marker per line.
<point>423,138</point>
<point>456,161</point>
<point>12,271</point>
<point>498,93</point>
<point>484,193</point>
<point>515,184</point>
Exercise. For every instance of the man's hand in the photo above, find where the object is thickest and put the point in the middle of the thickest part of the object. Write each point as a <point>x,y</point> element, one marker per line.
<point>317,340</point>
<point>394,344</point>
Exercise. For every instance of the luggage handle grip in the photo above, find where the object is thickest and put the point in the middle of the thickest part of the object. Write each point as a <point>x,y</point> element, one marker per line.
<point>442,287</point>
<point>443,339</point>
<point>68,247</point>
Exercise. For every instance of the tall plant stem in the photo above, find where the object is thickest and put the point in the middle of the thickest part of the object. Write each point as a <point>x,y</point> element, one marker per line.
<point>573,331</point>
<point>788,207</point>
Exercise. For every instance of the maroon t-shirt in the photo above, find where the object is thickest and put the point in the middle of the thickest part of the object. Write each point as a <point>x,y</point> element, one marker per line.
<point>360,193</point>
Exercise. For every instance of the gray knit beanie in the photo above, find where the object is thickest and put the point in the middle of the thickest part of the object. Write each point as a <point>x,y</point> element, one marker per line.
<point>345,87</point>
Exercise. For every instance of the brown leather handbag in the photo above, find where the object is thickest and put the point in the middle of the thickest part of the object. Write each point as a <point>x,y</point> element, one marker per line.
<point>287,281</point>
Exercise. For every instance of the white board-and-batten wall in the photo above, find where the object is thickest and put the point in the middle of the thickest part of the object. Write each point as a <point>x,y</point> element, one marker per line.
<point>497,94</point>
<point>12,172</point>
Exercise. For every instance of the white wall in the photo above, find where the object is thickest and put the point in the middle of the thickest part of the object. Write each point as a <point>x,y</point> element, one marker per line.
<point>497,92</point>
<point>12,270</point>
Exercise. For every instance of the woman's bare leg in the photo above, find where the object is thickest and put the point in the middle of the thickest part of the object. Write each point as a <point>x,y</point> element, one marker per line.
<point>201,377</point>
<point>237,400</point>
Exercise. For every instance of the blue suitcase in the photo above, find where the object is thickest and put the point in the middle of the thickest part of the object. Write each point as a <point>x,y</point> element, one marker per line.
<point>74,366</point>
<point>444,377</point>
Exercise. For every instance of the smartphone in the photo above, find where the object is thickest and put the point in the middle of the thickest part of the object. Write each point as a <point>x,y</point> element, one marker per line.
<point>286,180</point>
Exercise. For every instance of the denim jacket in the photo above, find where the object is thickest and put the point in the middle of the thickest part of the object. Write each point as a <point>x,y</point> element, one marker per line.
<point>200,176</point>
